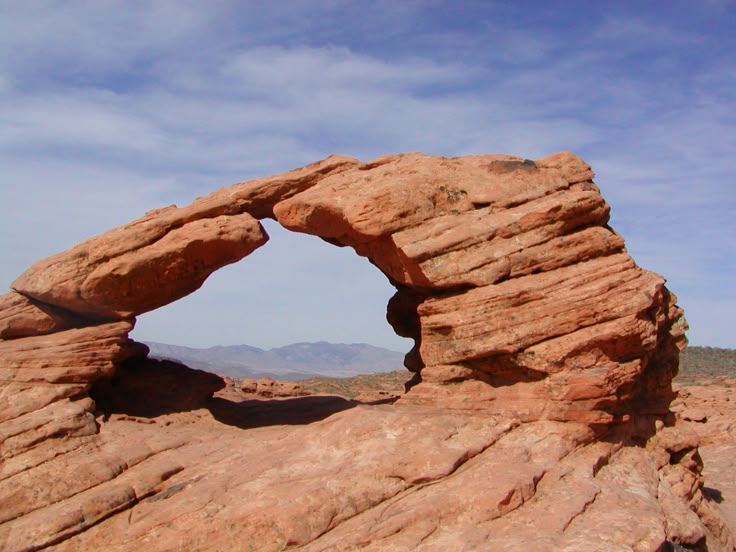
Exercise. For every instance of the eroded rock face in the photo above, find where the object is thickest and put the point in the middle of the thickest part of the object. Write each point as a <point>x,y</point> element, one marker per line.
<point>531,323</point>
<point>508,275</point>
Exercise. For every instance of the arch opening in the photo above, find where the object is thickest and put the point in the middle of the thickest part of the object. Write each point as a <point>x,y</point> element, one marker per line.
<point>295,301</point>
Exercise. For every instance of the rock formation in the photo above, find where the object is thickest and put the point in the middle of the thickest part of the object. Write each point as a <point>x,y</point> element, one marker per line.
<point>269,388</point>
<point>709,409</point>
<point>543,357</point>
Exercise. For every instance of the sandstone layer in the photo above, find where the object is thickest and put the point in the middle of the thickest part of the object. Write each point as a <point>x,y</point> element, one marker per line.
<point>543,355</point>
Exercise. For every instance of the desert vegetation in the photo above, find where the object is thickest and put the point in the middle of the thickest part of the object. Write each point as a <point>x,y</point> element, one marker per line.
<point>389,382</point>
<point>698,364</point>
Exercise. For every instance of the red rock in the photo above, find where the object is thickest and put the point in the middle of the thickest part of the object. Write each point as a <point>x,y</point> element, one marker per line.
<point>22,317</point>
<point>717,436</point>
<point>485,245</point>
<point>719,483</point>
<point>121,274</point>
<point>714,406</point>
<point>694,415</point>
<point>268,388</point>
<point>81,355</point>
<point>166,254</point>
<point>376,396</point>
<point>421,479</point>
<point>508,267</point>
<point>538,417</point>
<point>258,197</point>
<point>501,255</point>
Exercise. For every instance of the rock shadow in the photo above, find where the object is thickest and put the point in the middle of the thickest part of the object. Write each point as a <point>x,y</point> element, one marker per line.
<point>149,388</point>
<point>713,495</point>
<point>502,371</point>
<point>250,414</point>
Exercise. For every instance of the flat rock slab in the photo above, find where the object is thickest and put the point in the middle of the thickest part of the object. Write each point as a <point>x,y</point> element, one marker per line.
<point>254,476</point>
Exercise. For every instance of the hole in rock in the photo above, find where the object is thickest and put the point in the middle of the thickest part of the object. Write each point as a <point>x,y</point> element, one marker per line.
<point>295,309</point>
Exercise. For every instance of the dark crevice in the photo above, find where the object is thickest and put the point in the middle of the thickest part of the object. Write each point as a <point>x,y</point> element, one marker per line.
<point>333,241</point>
<point>502,370</point>
<point>375,163</point>
<point>672,546</point>
<point>712,495</point>
<point>587,504</point>
<point>72,319</point>
<point>171,491</point>
<point>504,166</point>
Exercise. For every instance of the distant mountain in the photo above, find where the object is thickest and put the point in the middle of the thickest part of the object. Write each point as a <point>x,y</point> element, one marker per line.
<point>291,362</point>
<point>306,360</point>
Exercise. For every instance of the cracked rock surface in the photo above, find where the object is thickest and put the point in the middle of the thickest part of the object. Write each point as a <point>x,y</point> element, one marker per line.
<point>252,475</point>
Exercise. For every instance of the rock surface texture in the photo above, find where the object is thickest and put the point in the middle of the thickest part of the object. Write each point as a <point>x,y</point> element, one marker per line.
<point>538,417</point>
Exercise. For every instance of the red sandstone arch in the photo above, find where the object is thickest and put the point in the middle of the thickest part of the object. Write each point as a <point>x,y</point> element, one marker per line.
<point>517,293</point>
<point>522,302</point>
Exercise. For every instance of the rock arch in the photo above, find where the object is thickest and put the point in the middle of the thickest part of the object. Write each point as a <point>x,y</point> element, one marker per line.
<point>531,325</point>
<point>518,295</point>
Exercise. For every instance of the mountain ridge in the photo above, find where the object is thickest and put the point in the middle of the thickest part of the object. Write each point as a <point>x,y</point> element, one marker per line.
<point>289,362</point>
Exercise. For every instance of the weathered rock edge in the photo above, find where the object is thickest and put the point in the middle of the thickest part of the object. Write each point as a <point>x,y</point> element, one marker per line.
<point>520,298</point>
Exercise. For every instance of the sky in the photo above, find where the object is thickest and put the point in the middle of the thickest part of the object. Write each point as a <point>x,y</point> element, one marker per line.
<point>109,109</point>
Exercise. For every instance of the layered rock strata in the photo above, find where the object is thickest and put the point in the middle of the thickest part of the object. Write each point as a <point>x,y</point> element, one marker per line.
<point>509,279</point>
<point>522,302</point>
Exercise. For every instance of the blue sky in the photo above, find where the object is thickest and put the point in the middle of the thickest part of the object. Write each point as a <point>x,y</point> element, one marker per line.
<point>110,109</point>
